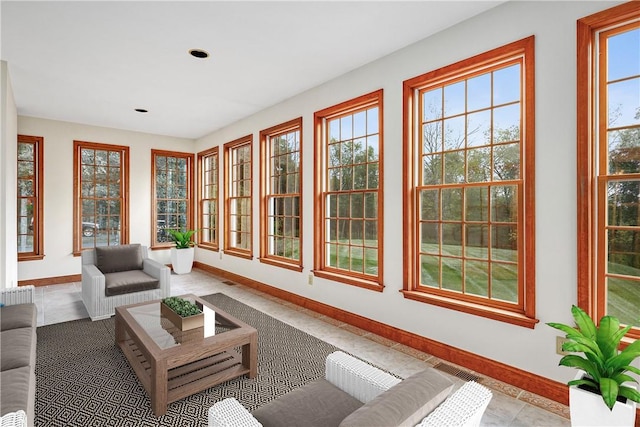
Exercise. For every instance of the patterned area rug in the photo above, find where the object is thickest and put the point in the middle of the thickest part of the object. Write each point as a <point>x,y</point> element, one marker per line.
<point>82,378</point>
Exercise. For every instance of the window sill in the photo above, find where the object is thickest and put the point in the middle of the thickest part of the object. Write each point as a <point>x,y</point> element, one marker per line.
<point>514,318</point>
<point>30,257</point>
<point>283,264</point>
<point>354,281</point>
<point>240,254</point>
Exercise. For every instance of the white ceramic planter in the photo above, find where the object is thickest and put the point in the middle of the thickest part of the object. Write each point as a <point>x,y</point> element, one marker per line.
<point>182,260</point>
<point>588,409</point>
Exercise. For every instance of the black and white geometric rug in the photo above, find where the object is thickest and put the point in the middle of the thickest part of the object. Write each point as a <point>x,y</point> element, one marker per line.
<point>82,378</point>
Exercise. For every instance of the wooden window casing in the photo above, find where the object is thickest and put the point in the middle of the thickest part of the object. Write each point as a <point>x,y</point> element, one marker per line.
<point>348,203</point>
<point>208,189</point>
<point>238,175</point>
<point>281,195</point>
<point>469,196</point>
<point>101,189</point>
<point>171,195</point>
<point>30,198</point>
<point>607,166</point>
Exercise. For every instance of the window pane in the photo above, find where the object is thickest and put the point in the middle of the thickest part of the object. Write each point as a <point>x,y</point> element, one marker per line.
<point>506,85</point>
<point>624,252</point>
<point>476,278</point>
<point>622,202</point>
<point>624,151</point>
<point>479,92</point>
<point>622,299</point>
<point>623,55</point>
<point>624,103</point>
<point>504,282</point>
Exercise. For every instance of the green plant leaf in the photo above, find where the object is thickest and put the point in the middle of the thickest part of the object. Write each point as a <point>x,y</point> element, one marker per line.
<point>606,336</point>
<point>609,391</point>
<point>629,393</point>
<point>584,322</point>
<point>586,381</point>
<point>575,361</point>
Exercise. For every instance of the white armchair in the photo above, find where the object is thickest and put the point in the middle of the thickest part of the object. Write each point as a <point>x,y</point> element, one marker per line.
<point>119,275</point>
<point>422,400</point>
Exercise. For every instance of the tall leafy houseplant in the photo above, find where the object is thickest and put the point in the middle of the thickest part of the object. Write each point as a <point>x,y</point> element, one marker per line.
<point>183,253</point>
<point>606,368</point>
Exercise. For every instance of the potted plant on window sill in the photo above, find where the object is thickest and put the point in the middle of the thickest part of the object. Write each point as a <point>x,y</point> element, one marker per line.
<point>183,252</point>
<point>598,395</point>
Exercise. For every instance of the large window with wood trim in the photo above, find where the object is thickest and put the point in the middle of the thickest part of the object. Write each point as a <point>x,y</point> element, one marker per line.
<point>101,188</point>
<point>281,195</point>
<point>30,198</point>
<point>238,197</point>
<point>609,164</point>
<point>208,185</point>
<point>172,197</point>
<point>348,189</point>
<point>469,188</point>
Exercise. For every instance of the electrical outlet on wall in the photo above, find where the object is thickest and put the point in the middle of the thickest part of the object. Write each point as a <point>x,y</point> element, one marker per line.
<point>310,279</point>
<point>559,342</point>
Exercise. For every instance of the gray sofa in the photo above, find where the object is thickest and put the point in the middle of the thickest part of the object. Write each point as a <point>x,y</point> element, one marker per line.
<point>356,394</point>
<point>18,319</point>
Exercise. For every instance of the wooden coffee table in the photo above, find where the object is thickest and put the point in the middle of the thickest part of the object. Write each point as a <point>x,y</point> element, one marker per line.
<point>172,364</point>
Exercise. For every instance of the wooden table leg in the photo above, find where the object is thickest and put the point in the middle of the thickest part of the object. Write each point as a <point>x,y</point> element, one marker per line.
<point>250,355</point>
<point>159,387</point>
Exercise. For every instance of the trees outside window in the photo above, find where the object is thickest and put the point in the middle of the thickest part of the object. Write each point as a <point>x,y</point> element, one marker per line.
<point>609,164</point>
<point>208,185</point>
<point>30,197</point>
<point>101,186</point>
<point>348,188</point>
<point>238,197</point>
<point>281,195</point>
<point>172,196</point>
<point>469,185</point>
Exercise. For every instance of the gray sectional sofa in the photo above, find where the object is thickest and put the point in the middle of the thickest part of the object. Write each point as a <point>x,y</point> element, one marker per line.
<point>18,319</point>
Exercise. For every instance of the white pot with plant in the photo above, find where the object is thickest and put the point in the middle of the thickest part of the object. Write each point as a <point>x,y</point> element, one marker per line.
<point>183,252</point>
<point>600,394</point>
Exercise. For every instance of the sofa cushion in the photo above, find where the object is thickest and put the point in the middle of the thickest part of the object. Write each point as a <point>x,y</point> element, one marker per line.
<point>17,388</point>
<point>317,404</point>
<point>125,282</point>
<point>17,316</point>
<point>404,404</point>
<point>111,259</point>
<point>18,348</point>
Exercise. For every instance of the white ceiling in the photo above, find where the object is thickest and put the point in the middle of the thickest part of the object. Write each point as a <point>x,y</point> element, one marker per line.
<point>94,62</point>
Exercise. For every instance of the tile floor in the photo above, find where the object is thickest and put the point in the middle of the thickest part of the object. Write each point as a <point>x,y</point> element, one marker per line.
<point>510,406</point>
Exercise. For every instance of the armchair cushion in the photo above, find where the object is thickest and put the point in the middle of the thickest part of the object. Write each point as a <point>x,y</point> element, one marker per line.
<point>112,259</point>
<point>318,404</point>
<point>404,404</point>
<point>124,282</point>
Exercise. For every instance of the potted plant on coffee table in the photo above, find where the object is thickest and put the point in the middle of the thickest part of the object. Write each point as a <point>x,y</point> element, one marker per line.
<point>183,252</point>
<point>183,313</point>
<point>599,396</point>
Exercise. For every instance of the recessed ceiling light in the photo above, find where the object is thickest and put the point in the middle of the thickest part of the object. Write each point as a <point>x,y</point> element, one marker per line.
<point>199,53</point>
<point>141,110</point>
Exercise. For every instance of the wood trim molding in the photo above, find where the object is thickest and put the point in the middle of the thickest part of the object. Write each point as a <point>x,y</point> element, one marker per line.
<point>46,281</point>
<point>533,383</point>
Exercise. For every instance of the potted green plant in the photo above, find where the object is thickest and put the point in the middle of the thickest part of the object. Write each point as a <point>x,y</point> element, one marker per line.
<point>183,313</point>
<point>183,252</point>
<point>603,370</point>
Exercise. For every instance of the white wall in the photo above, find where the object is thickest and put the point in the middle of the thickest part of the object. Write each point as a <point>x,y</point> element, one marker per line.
<point>554,27</point>
<point>8,181</point>
<point>58,189</point>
